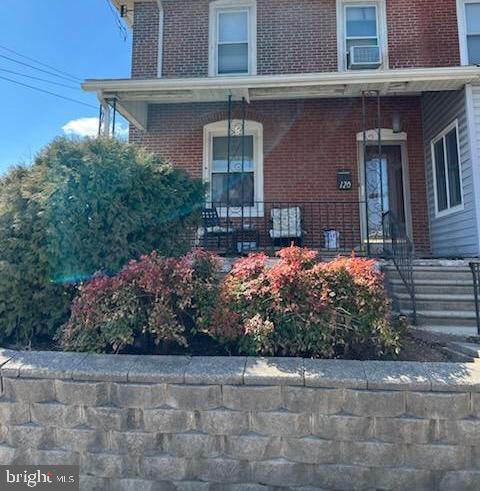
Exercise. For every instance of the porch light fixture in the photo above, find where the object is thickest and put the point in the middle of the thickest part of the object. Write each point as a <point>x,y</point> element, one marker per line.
<point>397,123</point>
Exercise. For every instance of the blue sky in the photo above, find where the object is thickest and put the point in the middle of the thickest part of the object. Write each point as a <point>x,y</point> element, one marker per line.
<point>78,37</point>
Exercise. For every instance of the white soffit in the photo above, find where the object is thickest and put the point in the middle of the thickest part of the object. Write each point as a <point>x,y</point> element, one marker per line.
<point>298,86</point>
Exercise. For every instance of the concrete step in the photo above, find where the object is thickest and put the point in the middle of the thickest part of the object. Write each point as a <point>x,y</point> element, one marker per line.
<point>470,349</point>
<point>436,274</point>
<point>448,330</point>
<point>437,267</point>
<point>436,302</point>
<point>455,287</point>
<point>456,356</point>
<point>447,317</point>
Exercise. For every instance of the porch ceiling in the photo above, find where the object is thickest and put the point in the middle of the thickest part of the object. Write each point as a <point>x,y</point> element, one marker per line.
<point>133,96</point>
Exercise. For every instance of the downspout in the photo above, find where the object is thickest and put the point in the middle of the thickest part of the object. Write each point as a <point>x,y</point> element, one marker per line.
<point>161,17</point>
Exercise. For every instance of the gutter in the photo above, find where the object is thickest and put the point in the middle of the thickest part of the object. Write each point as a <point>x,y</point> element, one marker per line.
<point>468,74</point>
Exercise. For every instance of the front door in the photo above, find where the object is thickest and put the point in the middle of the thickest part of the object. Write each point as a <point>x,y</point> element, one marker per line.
<point>384,191</point>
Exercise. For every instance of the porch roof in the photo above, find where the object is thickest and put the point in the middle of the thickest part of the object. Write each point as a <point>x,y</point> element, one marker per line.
<point>134,95</point>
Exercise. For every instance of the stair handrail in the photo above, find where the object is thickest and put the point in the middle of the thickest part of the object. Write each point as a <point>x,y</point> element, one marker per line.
<point>475,269</point>
<point>398,247</point>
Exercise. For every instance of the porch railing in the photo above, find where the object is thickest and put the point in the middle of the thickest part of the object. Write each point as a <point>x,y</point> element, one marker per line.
<point>398,247</point>
<point>329,226</point>
<point>475,269</point>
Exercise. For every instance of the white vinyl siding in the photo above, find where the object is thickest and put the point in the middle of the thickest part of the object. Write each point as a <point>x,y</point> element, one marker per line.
<point>452,234</point>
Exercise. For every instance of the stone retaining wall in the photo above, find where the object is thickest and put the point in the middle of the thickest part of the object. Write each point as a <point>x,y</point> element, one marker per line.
<point>176,423</point>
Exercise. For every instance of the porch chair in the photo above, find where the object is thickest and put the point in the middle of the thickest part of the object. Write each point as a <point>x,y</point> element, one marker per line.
<point>211,227</point>
<point>286,225</point>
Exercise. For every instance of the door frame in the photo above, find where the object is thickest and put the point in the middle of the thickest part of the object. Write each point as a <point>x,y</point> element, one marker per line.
<point>389,138</point>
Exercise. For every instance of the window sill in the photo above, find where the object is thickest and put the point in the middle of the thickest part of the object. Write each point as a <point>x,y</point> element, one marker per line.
<point>449,211</point>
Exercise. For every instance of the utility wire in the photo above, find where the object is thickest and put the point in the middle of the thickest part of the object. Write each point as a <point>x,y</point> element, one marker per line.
<point>39,69</point>
<point>40,63</point>
<point>40,79</point>
<point>121,27</point>
<point>47,92</point>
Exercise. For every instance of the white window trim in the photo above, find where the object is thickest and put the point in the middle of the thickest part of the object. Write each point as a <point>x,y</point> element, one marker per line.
<point>220,128</point>
<point>462,30</point>
<point>455,209</point>
<point>381,30</point>
<point>232,5</point>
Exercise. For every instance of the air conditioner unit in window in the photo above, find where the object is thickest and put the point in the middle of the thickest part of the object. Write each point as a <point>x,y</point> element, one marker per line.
<point>365,57</point>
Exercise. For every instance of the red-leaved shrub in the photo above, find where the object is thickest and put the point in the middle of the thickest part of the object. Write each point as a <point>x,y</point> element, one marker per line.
<point>302,307</point>
<point>153,300</point>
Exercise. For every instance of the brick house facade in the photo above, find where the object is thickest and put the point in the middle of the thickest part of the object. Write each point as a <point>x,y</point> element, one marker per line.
<point>294,65</point>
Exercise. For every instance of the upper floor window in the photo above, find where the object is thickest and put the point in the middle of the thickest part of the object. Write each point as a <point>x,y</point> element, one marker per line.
<point>447,171</point>
<point>361,34</point>
<point>472,32</point>
<point>232,37</point>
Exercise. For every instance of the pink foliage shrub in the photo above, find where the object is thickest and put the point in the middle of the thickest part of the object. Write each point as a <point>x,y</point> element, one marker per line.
<point>154,299</point>
<point>303,307</point>
<point>298,306</point>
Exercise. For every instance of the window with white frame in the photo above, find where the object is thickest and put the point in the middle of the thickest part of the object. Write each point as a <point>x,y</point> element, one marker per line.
<point>361,27</point>
<point>472,32</point>
<point>233,37</point>
<point>447,173</point>
<point>238,180</point>
<point>233,182</point>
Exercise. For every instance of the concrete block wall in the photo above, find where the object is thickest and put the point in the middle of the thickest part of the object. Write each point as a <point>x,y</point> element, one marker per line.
<point>180,423</point>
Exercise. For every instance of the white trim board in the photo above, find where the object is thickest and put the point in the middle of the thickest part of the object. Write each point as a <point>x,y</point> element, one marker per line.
<point>382,30</point>
<point>252,128</point>
<point>387,134</point>
<point>215,8</point>
<point>462,30</point>
<point>450,210</point>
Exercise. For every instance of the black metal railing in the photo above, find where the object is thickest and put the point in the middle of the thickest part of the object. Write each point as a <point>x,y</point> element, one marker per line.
<point>475,268</point>
<point>329,226</point>
<point>398,247</point>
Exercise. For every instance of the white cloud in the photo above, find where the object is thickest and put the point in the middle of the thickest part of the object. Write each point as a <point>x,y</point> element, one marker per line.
<point>83,127</point>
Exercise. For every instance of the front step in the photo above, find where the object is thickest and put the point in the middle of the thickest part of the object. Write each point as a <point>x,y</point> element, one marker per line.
<point>455,287</point>
<point>456,356</point>
<point>469,349</point>
<point>449,330</point>
<point>444,297</point>
<point>437,302</point>
<point>462,351</point>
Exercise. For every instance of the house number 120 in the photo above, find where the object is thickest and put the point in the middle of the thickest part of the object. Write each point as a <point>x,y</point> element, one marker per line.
<point>344,180</point>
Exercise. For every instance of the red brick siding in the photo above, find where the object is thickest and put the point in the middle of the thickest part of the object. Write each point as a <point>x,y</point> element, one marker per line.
<point>146,29</point>
<point>185,49</point>
<point>292,36</point>
<point>296,37</point>
<point>305,143</point>
<point>423,33</point>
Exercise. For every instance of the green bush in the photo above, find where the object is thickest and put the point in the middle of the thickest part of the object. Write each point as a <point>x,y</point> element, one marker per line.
<point>82,207</point>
